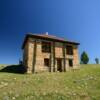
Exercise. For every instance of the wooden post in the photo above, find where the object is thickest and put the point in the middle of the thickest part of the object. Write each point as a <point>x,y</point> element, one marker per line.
<point>34,55</point>
<point>64,57</point>
<point>52,57</point>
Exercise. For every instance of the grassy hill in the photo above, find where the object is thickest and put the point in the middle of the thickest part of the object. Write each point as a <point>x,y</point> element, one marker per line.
<point>83,84</point>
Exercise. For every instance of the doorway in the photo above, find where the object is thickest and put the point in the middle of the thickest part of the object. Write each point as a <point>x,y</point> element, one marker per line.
<point>59,65</point>
<point>70,62</point>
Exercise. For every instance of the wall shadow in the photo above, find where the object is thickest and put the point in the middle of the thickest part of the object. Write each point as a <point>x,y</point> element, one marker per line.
<point>14,69</point>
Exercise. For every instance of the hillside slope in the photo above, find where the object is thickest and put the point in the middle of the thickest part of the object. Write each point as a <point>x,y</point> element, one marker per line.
<point>83,84</point>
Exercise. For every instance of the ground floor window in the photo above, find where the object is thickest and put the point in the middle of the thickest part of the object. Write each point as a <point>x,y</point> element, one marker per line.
<point>70,62</point>
<point>46,62</point>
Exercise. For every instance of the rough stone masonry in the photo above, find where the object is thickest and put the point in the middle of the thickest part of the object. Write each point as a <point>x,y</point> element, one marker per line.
<point>47,53</point>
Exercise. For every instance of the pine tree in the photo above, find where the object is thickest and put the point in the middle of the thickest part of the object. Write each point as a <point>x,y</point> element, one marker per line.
<point>97,60</point>
<point>84,58</point>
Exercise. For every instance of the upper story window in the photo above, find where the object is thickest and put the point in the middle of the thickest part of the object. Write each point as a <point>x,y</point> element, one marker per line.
<point>46,47</point>
<point>69,50</point>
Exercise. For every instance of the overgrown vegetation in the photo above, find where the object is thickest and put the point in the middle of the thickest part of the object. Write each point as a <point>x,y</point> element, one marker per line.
<point>83,84</point>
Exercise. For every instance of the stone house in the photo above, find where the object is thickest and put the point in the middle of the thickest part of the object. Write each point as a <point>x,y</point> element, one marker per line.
<point>43,52</point>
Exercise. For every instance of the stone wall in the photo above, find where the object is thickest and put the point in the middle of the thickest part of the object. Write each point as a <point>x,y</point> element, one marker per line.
<point>25,55</point>
<point>76,57</point>
<point>35,57</point>
<point>58,50</point>
<point>40,59</point>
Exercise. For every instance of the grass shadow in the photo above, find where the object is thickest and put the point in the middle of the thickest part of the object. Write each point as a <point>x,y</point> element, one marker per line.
<point>14,69</point>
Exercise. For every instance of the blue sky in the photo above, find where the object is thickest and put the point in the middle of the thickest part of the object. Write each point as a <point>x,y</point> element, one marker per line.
<point>77,20</point>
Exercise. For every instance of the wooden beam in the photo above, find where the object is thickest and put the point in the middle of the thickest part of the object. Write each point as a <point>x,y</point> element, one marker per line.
<point>53,56</point>
<point>64,56</point>
<point>34,55</point>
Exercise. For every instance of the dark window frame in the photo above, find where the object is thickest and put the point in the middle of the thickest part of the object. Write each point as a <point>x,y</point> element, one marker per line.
<point>69,50</point>
<point>46,62</point>
<point>70,61</point>
<point>46,47</point>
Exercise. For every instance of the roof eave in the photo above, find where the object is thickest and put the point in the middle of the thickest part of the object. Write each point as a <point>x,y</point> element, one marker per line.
<point>32,35</point>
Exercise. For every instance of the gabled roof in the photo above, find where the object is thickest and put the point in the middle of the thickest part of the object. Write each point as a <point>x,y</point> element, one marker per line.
<point>47,37</point>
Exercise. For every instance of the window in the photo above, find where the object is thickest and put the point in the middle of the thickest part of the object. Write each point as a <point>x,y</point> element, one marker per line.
<point>70,63</point>
<point>46,47</point>
<point>46,62</point>
<point>69,50</point>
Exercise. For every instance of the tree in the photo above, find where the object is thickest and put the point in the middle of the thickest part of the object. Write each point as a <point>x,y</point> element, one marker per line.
<point>84,58</point>
<point>97,60</point>
<point>20,62</point>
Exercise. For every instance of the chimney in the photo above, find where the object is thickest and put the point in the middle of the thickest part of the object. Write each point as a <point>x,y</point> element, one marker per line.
<point>46,33</point>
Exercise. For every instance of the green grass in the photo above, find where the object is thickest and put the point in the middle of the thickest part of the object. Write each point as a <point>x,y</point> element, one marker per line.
<point>2,66</point>
<point>83,84</point>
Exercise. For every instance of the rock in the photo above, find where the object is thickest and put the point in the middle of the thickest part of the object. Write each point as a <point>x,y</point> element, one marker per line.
<point>5,84</point>
<point>13,98</point>
<point>14,78</point>
<point>6,98</point>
